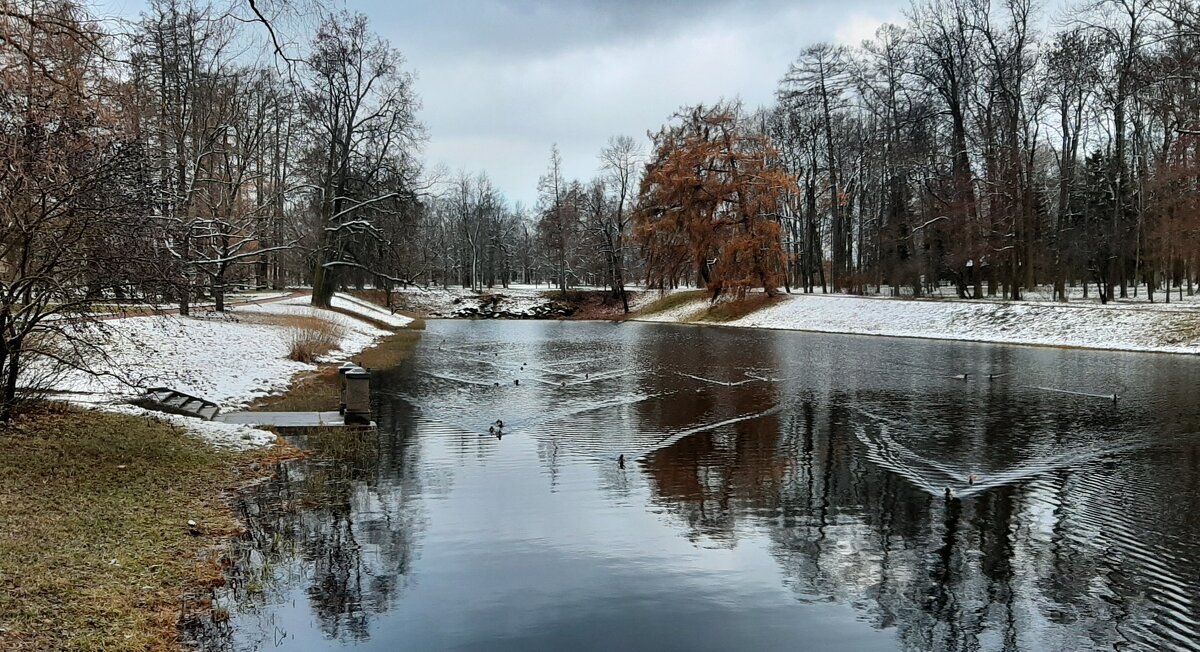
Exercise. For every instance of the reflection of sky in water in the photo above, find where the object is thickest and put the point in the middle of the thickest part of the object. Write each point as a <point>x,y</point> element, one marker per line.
<point>781,490</point>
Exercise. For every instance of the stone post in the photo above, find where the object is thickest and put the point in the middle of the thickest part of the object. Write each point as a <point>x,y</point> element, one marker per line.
<point>346,366</point>
<point>358,396</point>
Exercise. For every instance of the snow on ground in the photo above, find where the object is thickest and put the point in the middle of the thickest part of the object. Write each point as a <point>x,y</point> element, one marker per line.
<point>445,302</point>
<point>369,310</point>
<point>1137,297</point>
<point>517,299</point>
<point>640,297</point>
<point>683,312</point>
<point>229,359</point>
<point>116,310</point>
<point>1120,326</point>
<point>225,360</point>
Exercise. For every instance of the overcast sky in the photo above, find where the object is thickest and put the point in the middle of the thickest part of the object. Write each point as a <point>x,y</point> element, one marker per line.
<point>502,80</point>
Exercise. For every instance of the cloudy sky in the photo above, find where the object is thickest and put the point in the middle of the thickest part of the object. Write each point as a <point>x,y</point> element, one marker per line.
<point>502,80</point>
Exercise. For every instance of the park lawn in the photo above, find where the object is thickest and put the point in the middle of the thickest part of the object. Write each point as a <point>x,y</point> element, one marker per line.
<point>95,550</point>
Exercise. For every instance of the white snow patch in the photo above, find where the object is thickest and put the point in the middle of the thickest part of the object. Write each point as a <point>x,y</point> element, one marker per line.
<point>639,299</point>
<point>684,312</point>
<point>225,361</point>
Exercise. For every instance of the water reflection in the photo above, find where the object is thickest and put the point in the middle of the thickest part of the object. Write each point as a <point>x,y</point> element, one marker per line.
<point>778,489</point>
<point>342,528</point>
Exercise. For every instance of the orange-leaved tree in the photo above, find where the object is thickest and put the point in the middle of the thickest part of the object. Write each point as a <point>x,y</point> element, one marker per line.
<point>707,205</point>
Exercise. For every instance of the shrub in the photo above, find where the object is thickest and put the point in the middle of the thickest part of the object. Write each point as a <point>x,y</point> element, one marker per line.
<point>310,338</point>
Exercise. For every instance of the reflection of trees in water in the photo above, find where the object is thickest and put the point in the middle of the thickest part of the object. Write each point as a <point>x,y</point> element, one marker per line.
<point>1079,556</point>
<point>343,524</point>
<point>707,477</point>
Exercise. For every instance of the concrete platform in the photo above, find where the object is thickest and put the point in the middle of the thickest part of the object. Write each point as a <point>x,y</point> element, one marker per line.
<point>289,419</point>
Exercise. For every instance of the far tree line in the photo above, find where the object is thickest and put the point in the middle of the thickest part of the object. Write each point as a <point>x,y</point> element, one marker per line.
<point>968,147</point>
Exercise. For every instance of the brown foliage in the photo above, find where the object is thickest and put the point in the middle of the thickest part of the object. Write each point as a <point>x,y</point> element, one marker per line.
<point>707,203</point>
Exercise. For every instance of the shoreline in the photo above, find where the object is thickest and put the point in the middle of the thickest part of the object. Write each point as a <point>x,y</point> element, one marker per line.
<point>122,542</point>
<point>233,359</point>
<point>1121,327</point>
<point>929,338</point>
<point>231,470</point>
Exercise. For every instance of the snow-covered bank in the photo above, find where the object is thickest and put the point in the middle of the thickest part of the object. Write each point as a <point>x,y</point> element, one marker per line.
<point>513,302</point>
<point>454,302</point>
<point>369,310</point>
<point>230,359</point>
<point>1117,327</point>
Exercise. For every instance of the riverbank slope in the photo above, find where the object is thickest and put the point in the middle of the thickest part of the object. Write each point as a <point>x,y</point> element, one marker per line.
<point>233,358</point>
<point>1166,328</point>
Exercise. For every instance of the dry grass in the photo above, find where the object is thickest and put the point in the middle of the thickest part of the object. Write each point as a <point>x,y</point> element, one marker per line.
<point>1182,329</point>
<point>671,301</point>
<point>390,352</point>
<point>309,338</point>
<point>308,392</point>
<point>95,552</point>
<point>730,310</point>
<point>725,310</point>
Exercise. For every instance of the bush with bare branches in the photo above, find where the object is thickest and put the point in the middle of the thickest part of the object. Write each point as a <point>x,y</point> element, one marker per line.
<point>310,338</point>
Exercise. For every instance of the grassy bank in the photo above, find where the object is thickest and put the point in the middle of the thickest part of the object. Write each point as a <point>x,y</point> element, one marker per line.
<point>698,307</point>
<point>95,547</point>
<point>670,302</point>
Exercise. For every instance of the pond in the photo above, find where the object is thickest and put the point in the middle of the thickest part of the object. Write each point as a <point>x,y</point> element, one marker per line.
<point>779,490</point>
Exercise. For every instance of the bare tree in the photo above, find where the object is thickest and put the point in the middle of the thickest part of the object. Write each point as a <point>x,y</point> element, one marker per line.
<point>361,109</point>
<point>621,161</point>
<point>71,204</point>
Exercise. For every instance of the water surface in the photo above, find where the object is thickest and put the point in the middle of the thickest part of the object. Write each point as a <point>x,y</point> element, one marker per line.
<point>781,491</point>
